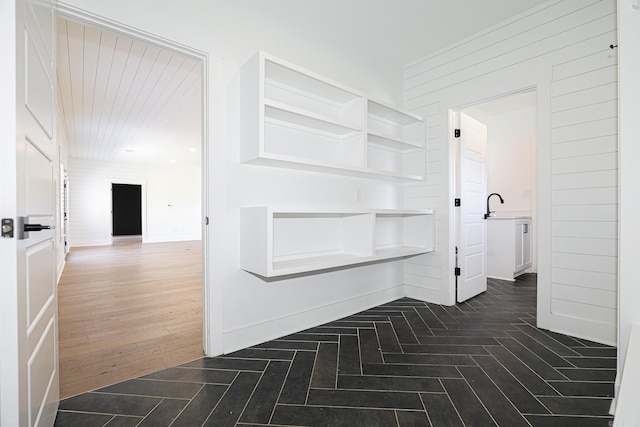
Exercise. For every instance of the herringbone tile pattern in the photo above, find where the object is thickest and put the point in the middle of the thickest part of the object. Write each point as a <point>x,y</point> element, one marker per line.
<point>405,363</point>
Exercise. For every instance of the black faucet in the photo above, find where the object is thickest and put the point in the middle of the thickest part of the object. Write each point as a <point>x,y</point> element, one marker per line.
<point>488,214</point>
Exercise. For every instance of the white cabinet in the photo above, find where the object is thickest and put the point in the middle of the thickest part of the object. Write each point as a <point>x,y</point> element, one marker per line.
<point>293,117</point>
<point>277,242</point>
<point>508,247</point>
<point>522,245</point>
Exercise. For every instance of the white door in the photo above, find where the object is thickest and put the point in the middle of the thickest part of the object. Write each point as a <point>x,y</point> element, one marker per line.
<point>472,226</point>
<point>28,312</point>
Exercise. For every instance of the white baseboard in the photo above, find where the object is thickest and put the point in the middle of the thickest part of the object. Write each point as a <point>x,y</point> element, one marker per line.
<point>510,279</point>
<point>255,334</point>
<point>433,296</point>
<point>627,411</point>
<point>61,266</point>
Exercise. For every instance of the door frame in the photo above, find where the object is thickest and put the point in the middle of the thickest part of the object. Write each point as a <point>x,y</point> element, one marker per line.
<point>455,172</point>
<point>72,13</point>
<point>484,90</point>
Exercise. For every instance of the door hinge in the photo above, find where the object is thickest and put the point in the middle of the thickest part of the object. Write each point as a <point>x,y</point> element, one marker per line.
<point>456,271</point>
<point>456,133</point>
<point>456,203</point>
<point>206,220</point>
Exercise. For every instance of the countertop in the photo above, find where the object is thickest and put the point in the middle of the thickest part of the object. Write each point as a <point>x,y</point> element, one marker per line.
<point>509,217</point>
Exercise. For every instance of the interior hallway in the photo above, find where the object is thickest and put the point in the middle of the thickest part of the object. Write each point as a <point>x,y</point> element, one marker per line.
<point>405,363</point>
<point>127,310</point>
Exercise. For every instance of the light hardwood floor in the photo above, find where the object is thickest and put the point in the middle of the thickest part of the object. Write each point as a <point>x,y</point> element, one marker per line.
<point>127,310</point>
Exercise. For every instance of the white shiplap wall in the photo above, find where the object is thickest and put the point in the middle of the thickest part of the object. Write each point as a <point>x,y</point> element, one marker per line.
<point>171,200</point>
<point>562,49</point>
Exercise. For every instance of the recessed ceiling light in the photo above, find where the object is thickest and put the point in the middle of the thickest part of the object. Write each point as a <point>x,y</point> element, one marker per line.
<point>193,150</point>
<point>173,160</point>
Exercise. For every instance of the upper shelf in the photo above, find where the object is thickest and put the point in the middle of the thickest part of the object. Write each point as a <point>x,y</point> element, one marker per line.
<point>392,142</point>
<point>392,114</point>
<point>295,118</point>
<point>293,76</point>
<point>282,112</point>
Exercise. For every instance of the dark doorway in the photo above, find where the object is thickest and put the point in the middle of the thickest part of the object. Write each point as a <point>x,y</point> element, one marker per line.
<point>126,205</point>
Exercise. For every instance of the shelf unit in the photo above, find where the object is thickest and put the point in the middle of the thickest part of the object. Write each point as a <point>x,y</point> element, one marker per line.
<point>395,140</point>
<point>278,242</point>
<point>295,118</point>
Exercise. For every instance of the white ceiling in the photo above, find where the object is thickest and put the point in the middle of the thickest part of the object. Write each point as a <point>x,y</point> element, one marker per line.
<point>396,31</point>
<point>124,100</point>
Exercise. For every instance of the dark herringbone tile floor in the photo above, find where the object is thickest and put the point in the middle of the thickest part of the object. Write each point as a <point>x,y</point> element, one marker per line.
<point>406,363</point>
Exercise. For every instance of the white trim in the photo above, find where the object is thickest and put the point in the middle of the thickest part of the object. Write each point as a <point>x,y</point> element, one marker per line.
<point>626,407</point>
<point>453,123</point>
<point>60,268</point>
<point>72,13</point>
<point>274,328</point>
<point>493,87</point>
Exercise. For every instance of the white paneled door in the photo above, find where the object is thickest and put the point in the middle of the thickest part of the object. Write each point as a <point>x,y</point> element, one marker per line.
<point>472,237</point>
<point>29,366</point>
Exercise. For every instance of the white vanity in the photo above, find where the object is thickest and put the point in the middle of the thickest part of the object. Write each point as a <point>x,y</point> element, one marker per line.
<point>508,246</point>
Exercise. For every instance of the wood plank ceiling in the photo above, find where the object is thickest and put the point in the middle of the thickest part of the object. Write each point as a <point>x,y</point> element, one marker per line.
<point>124,100</point>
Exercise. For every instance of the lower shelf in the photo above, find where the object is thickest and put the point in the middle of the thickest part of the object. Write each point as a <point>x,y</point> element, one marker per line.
<point>284,242</point>
<point>302,265</point>
<point>400,251</point>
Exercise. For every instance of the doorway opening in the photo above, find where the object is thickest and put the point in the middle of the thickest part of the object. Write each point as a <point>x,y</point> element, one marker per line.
<point>507,166</point>
<point>126,210</point>
<point>143,121</point>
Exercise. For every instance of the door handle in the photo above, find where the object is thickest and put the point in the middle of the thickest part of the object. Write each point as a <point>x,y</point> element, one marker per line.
<point>24,229</point>
<point>35,227</point>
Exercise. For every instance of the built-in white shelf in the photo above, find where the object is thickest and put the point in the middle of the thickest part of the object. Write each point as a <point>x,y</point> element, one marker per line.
<point>292,117</point>
<point>278,242</point>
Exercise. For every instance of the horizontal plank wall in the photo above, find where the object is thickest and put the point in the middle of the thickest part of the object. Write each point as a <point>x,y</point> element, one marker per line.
<point>560,48</point>
<point>171,201</point>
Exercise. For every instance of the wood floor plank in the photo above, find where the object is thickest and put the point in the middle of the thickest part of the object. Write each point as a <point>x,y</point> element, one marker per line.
<point>127,310</point>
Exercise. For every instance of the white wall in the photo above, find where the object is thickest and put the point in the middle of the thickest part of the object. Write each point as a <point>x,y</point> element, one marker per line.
<point>244,309</point>
<point>561,49</point>
<point>171,207</point>
<point>629,92</point>
<point>511,138</point>
<point>511,154</point>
